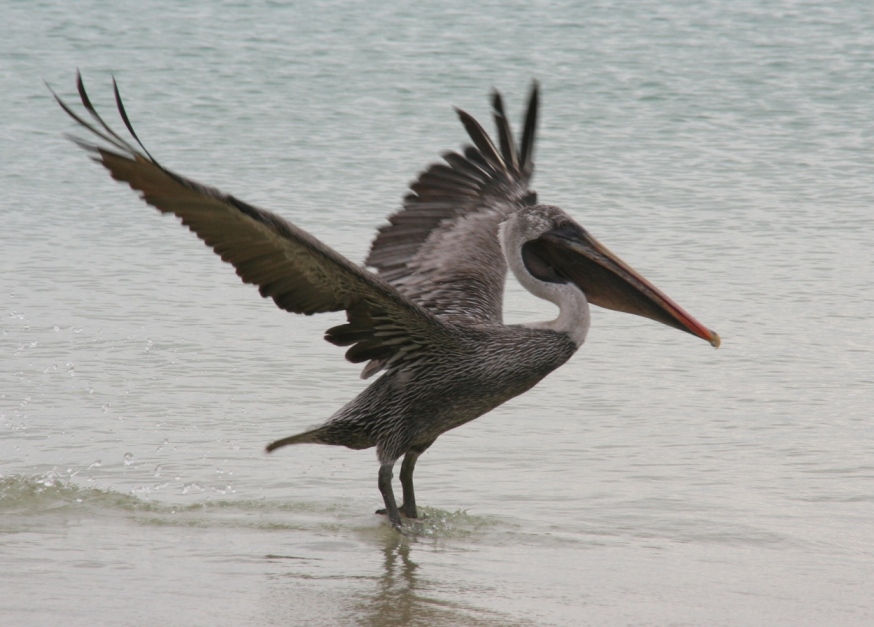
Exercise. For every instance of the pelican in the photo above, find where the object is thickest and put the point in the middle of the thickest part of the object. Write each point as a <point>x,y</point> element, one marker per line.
<point>429,314</point>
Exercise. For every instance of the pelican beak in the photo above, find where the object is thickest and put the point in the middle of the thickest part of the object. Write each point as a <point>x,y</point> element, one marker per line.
<point>609,282</point>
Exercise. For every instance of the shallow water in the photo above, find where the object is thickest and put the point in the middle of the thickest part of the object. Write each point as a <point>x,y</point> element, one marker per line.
<point>723,151</point>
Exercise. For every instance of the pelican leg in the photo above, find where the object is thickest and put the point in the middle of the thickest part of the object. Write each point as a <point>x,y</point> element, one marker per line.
<point>391,507</point>
<point>409,506</point>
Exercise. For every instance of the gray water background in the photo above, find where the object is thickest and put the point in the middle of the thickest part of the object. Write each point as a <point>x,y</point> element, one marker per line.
<point>722,149</point>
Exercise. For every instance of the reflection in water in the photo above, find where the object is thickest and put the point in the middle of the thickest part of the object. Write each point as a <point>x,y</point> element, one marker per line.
<point>388,580</point>
<point>404,596</point>
<point>397,600</point>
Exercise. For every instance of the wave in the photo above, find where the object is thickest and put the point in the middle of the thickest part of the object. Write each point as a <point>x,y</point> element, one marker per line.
<point>53,494</point>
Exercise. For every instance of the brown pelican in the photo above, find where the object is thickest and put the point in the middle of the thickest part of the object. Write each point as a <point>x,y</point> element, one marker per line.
<point>430,315</point>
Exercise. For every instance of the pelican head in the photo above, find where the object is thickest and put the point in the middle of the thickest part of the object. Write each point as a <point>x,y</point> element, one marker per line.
<point>551,256</point>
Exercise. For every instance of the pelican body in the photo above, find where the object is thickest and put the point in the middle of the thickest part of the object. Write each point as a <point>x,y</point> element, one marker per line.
<point>429,315</point>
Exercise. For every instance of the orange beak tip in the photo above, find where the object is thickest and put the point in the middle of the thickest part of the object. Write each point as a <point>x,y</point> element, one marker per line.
<point>714,339</point>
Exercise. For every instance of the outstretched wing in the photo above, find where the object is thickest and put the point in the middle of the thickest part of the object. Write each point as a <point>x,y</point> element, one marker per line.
<point>296,270</point>
<point>442,249</point>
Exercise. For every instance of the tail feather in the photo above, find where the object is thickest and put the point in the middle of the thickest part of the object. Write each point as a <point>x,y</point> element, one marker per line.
<point>311,437</point>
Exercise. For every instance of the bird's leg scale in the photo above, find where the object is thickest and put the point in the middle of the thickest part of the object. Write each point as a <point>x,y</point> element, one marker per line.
<point>409,505</point>
<point>391,507</point>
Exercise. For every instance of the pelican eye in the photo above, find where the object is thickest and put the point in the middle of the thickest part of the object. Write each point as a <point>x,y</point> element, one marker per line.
<point>568,228</point>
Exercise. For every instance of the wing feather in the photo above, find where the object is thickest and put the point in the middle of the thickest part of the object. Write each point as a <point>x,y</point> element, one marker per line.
<point>441,249</point>
<point>508,147</point>
<point>300,273</point>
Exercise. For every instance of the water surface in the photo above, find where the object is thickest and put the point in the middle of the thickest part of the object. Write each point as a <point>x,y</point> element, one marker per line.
<point>723,151</point>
